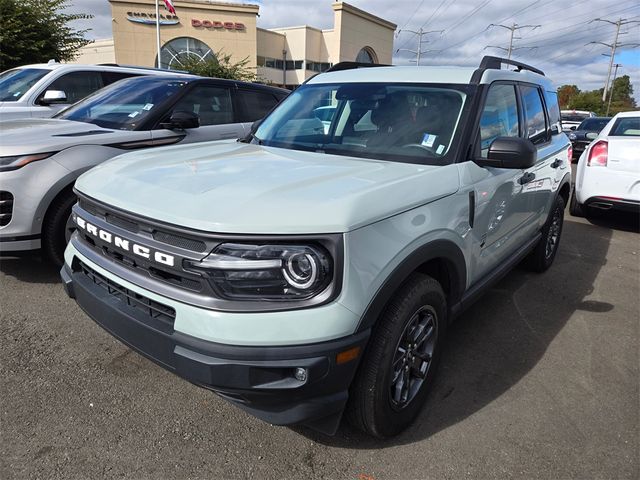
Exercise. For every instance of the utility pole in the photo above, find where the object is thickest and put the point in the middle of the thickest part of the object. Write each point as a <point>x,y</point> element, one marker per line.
<point>613,46</point>
<point>418,51</point>
<point>513,27</point>
<point>613,83</point>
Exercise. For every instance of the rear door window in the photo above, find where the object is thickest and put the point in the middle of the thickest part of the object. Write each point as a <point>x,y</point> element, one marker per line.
<point>256,104</point>
<point>77,85</point>
<point>536,126</point>
<point>111,77</point>
<point>211,103</point>
<point>499,116</point>
<point>553,110</point>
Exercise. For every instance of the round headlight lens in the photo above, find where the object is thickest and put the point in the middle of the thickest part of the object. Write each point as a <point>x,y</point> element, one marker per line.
<point>300,270</point>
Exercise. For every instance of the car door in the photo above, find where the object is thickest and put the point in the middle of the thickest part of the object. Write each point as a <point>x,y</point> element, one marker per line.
<point>503,217</point>
<point>76,85</point>
<point>214,106</point>
<point>552,156</point>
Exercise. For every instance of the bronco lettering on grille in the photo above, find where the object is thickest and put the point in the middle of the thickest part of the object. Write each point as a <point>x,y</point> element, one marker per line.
<point>124,244</point>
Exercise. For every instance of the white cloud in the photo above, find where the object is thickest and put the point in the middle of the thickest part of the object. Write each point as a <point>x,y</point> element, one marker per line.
<point>559,42</point>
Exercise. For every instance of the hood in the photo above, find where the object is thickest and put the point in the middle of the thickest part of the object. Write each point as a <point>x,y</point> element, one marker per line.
<point>35,135</point>
<point>251,189</point>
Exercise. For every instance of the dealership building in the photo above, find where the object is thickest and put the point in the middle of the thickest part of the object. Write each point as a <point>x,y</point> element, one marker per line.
<point>282,56</point>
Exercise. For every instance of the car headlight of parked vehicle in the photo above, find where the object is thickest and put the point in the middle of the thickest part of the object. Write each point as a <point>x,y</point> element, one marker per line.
<point>267,272</point>
<point>16,161</point>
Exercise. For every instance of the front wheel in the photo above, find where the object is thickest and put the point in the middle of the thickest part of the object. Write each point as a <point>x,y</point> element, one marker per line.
<point>541,258</point>
<point>399,366</point>
<point>58,227</point>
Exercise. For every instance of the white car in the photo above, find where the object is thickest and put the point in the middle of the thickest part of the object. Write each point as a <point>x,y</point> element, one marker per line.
<point>608,175</point>
<point>42,90</point>
<point>572,118</point>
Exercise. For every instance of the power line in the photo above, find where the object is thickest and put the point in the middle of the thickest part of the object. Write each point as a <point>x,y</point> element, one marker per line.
<point>614,46</point>
<point>513,28</point>
<point>418,51</point>
<point>423,25</point>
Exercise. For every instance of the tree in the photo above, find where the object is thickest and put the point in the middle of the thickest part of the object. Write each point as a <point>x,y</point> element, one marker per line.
<point>36,31</point>
<point>218,66</point>
<point>565,94</point>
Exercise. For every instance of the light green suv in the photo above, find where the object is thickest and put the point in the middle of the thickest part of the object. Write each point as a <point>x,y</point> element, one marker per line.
<point>312,268</point>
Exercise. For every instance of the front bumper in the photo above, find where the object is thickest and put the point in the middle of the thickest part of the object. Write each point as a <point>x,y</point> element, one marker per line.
<point>258,379</point>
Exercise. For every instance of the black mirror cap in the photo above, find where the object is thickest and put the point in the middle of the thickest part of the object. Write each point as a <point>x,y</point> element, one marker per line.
<point>184,120</point>
<point>511,152</point>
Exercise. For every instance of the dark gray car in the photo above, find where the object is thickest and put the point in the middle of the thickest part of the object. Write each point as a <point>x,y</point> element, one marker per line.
<point>40,159</point>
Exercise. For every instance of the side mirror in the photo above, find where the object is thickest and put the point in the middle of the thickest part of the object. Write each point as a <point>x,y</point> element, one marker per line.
<point>591,135</point>
<point>182,121</point>
<point>51,97</point>
<point>555,129</point>
<point>510,152</point>
<point>573,127</point>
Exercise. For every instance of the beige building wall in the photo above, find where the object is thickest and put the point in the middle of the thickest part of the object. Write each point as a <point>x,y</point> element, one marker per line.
<point>135,43</point>
<point>356,29</point>
<point>99,51</point>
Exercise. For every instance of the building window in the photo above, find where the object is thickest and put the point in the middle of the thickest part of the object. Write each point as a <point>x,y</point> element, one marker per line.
<point>366,55</point>
<point>176,51</point>
<point>278,64</point>
<point>317,66</point>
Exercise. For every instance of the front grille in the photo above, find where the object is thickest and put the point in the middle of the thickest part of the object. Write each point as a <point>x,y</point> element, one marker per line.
<point>6,208</point>
<point>156,311</point>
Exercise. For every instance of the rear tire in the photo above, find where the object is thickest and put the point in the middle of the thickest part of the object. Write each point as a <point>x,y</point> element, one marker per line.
<point>57,228</point>
<point>541,258</point>
<point>413,321</point>
<point>576,209</point>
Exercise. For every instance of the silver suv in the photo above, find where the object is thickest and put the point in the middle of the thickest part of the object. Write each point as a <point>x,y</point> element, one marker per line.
<point>42,90</point>
<point>313,269</point>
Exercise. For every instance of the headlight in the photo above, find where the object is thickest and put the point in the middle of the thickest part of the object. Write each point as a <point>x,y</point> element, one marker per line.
<point>267,272</point>
<point>572,136</point>
<point>16,161</point>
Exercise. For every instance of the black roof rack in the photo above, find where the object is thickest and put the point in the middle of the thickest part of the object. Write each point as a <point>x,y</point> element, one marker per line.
<point>351,65</point>
<point>495,63</point>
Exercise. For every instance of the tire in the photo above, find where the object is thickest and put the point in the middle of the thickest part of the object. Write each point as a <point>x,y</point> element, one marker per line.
<point>541,258</point>
<point>576,209</point>
<point>377,405</point>
<point>57,228</point>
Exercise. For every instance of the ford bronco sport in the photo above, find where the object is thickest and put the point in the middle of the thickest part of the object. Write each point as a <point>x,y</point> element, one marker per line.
<point>312,269</point>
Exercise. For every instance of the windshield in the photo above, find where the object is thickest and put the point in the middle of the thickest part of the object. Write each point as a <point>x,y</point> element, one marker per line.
<point>14,83</point>
<point>397,122</point>
<point>574,117</point>
<point>593,124</point>
<point>123,105</point>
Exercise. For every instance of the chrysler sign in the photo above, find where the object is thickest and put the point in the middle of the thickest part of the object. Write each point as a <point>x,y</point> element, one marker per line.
<point>150,18</point>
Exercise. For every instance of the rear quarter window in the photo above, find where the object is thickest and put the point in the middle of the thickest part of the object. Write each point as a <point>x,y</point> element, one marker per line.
<point>553,109</point>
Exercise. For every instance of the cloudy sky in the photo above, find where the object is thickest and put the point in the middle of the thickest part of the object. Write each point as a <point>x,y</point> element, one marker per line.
<point>558,45</point>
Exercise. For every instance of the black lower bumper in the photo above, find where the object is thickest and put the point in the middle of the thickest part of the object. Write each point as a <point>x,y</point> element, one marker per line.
<point>261,380</point>
<point>610,203</point>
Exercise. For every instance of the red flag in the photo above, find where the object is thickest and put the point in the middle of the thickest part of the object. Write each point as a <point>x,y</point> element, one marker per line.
<point>169,6</point>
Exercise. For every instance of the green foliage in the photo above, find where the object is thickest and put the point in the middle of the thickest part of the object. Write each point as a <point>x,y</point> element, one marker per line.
<point>218,66</point>
<point>36,31</point>
<point>571,98</point>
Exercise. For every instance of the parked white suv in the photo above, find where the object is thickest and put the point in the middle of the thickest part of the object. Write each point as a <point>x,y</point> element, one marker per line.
<point>42,90</point>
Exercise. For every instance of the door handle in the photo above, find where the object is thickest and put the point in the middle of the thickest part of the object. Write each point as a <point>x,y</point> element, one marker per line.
<point>526,178</point>
<point>556,163</point>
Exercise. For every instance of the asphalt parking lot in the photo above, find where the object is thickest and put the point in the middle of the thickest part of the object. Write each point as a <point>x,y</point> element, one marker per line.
<point>540,379</point>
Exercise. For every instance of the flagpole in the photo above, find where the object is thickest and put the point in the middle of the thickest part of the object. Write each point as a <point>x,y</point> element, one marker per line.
<point>158,32</point>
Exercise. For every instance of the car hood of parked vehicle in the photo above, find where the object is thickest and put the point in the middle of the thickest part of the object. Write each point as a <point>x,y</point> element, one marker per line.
<point>241,188</point>
<point>27,136</point>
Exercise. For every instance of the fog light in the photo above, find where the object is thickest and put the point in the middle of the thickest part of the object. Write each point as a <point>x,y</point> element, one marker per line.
<point>300,374</point>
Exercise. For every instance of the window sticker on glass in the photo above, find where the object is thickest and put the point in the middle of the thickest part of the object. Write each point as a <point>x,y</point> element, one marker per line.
<point>428,140</point>
<point>148,106</point>
<point>440,149</point>
<point>134,114</point>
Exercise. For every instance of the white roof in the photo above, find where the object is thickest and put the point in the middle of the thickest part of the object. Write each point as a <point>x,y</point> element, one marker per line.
<point>635,113</point>
<point>410,74</point>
